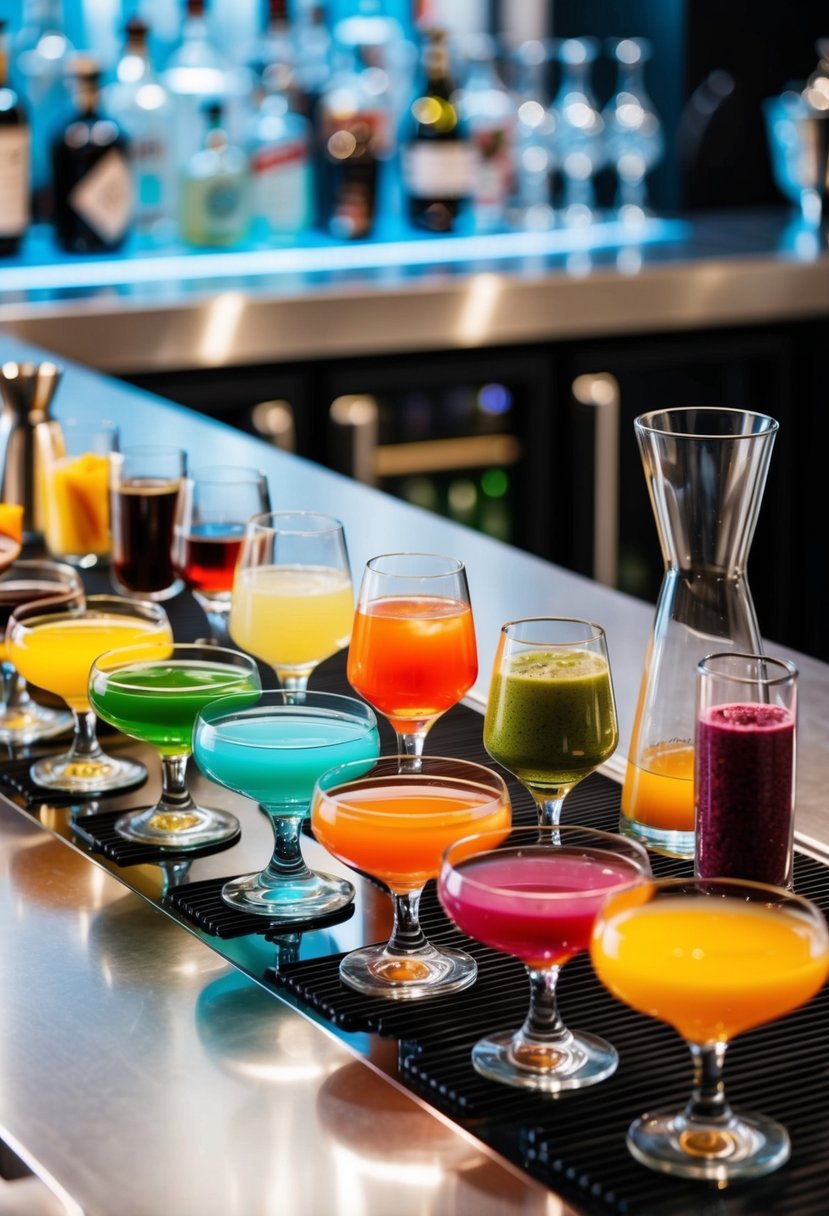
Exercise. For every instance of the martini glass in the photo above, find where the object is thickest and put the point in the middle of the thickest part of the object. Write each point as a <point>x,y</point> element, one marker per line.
<point>214,505</point>
<point>550,716</point>
<point>53,645</point>
<point>22,719</point>
<point>712,958</point>
<point>156,700</point>
<point>292,603</point>
<point>538,902</point>
<point>273,751</point>
<point>394,823</point>
<point>413,653</point>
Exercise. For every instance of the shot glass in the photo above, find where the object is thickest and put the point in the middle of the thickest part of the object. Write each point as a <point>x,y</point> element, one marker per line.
<point>144,488</point>
<point>744,778</point>
<point>75,456</point>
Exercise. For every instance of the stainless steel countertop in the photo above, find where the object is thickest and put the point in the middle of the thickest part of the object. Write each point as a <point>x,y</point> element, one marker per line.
<point>167,310</point>
<point>139,1071</point>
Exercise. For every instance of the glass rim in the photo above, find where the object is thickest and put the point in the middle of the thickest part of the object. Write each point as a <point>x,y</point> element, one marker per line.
<point>261,523</point>
<point>219,714</point>
<point>134,449</point>
<point>226,475</point>
<point>38,563</point>
<point>287,697</point>
<point>597,631</point>
<point>787,669</point>
<point>139,651</point>
<point>644,873</point>
<point>782,895</point>
<point>125,606</point>
<point>646,424</point>
<point>496,797</point>
<point>102,425</point>
<point>454,565</point>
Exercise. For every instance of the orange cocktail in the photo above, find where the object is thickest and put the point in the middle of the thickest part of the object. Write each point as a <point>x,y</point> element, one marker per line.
<point>393,821</point>
<point>659,792</point>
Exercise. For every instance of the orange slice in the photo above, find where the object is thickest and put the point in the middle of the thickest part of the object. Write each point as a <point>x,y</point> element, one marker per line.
<point>11,521</point>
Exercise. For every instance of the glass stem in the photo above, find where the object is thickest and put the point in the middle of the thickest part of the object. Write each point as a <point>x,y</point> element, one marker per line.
<point>708,1103</point>
<point>407,937</point>
<point>217,618</point>
<point>411,746</point>
<point>15,692</point>
<point>175,795</point>
<point>287,860</point>
<point>85,745</point>
<point>543,1022</point>
<point>297,686</point>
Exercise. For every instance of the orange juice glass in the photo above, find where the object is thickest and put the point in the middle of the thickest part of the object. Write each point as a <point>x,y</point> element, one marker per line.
<point>393,822</point>
<point>55,649</point>
<point>413,653</point>
<point>713,958</point>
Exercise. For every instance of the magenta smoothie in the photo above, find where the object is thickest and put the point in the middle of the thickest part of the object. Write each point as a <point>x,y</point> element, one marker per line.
<point>744,786</point>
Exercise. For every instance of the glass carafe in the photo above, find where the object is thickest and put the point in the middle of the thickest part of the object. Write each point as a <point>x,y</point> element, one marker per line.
<point>705,469</point>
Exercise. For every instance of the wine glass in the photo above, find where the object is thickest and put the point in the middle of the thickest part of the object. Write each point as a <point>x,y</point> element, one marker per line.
<point>53,645</point>
<point>550,715</point>
<point>22,719</point>
<point>413,653</point>
<point>273,751</point>
<point>712,958</point>
<point>394,823</point>
<point>538,903</point>
<point>214,505</point>
<point>292,603</point>
<point>156,700</point>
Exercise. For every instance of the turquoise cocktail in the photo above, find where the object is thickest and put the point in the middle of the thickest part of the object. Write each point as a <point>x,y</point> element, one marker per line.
<point>273,752</point>
<point>156,701</point>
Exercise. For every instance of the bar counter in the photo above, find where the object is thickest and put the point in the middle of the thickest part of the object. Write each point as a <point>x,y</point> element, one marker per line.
<point>143,1069</point>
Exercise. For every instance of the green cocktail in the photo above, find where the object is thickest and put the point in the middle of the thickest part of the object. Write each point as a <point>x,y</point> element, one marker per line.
<point>156,701</point>
<point>550,717</point>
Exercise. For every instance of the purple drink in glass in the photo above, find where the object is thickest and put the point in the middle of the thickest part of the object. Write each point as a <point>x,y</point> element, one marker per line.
<point>744,782</point>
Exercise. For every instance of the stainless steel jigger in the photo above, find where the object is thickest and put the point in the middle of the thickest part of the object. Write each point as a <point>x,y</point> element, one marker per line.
<point>27,390</point>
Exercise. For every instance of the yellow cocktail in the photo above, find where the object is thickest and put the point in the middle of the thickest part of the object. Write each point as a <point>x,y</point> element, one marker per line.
<point>713,958</point>
<point>56,650</point>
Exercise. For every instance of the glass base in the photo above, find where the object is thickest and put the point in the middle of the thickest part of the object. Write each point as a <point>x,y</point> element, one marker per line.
<point>430,972</point>
<point>157,597</point>
<point>584,1059</point>
<point>177,828</point>
<point>84,775</point>
<point>745,1146</point>
<point>659,840</point>
<point>20,727</point>
<point>300,897</point>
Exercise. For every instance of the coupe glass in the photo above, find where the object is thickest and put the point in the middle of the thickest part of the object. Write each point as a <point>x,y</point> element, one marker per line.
<point>712,958</point>
<point>394,823</point>
<point>538,902</point>
<point>292,603</point>
<point>54,645</point>
<point>156,700</point>
<point>214,505</point>
<point>550,716</point>
<point>22,719</point>
<point>413,653</point>
<point>273,751</point>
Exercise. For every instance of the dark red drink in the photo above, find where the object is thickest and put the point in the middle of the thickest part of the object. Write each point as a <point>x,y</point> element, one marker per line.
<point>745,792</point>
<point>207,557</point>
<point>143,511</point>
<point>17,591</point>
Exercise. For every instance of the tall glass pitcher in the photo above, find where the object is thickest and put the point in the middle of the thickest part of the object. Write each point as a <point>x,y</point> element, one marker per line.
<point>705,470</point>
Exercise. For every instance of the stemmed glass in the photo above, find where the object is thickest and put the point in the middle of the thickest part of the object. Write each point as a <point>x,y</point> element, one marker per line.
<point>394,823</point>
<point>214,505</point>
<point>292,603</point>
<point>53,645</point>
<point>156,700</point>
<point>413,653</point>
<point>273,751</point>
<point>712,958</point>
<point>23,720</point>
<point>550,716</point>
<point>538,903</point>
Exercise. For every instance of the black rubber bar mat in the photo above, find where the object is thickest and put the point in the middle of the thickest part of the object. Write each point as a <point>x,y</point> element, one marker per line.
<point>98,833</point>
<point>201,904</point>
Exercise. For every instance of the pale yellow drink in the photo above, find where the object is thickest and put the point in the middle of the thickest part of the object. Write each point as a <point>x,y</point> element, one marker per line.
<point>57,653</point>
<point>292,617</point>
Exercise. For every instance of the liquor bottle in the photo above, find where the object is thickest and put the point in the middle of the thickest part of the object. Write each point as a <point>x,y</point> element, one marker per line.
<point>280,151</point>
<point>92,179</point>
<point>141,106</point>
<point>489,112</point>
<point>15,153</point>
<point>213,188</point>
<point>40,53</point>
<point>531,204</point>
<point>437,156</point>
<point>354,134</point>
<point>312,67</point>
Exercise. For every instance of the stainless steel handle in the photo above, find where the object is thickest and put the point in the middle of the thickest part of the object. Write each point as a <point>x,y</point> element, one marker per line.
<point>600,391</point>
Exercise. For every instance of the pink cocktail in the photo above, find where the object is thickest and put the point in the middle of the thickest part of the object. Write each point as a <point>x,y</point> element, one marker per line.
<point>538,900</point>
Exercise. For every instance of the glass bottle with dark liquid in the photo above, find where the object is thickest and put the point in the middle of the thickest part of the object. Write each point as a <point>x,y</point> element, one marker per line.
<point>15,156</point>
